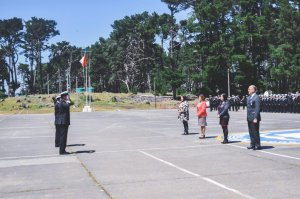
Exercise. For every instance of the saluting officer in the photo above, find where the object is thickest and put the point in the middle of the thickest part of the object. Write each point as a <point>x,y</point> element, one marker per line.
<point>63,121</point>
<point>56,101</point>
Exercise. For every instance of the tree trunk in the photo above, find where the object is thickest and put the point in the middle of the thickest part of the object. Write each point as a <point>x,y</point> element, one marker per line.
<point>127,86</point>
<point>149,82</point>
<point>174,92</point>
<point>11,79</point>
<point>162,52</point>
<point>15,86</point>
<point>41,71</point>
<point>30,81</point>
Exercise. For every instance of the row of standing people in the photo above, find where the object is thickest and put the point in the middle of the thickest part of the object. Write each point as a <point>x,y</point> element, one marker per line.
<point>253,116</point>
<point>223,114</point>
<point>235,102</point>
<point>281,103</point>
<point>275,103</point>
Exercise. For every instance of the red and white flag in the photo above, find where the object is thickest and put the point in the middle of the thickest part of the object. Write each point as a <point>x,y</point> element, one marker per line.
<point>83,61</point>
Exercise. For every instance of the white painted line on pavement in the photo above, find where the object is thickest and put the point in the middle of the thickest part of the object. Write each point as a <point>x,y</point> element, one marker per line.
<point>197,175</point>
<point>25,127</point>
<point>276,119</point>
<point>262,151</point>
<point>25,137</point>
<point>37,161</point>
<point>29,156</point>
<point>147,137</point>
<point>157,149</point>
<point>113,151</point>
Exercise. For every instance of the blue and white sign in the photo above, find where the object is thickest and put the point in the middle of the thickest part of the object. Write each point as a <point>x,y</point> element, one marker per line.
<point>279,137</point>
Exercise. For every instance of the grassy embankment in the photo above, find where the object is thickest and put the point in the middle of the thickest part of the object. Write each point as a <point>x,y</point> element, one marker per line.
<point>100,102</point>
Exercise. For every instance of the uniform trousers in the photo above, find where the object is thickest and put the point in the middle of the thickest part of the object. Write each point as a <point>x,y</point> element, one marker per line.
<point>63,133</point>
<point>254,134</point>
<point>57,137</point>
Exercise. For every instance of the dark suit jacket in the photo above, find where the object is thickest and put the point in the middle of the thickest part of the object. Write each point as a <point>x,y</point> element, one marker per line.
<point>63,115</point>
<point>56,111</point>
<point>253,108</point>
<point>223,110</point>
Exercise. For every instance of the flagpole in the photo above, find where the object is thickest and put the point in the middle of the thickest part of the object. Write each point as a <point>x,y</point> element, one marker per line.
<point>83,61</point>
<point>86,92</point>
<point>76,92</point>
<point>90,94</point>
<point>89,79</point>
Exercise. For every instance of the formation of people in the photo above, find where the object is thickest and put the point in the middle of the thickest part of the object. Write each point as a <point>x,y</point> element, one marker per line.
<point>234,101</point>
<point>275,103</point>
<point>281,103</point>
<point>253,103</point>
<point>62,121</point>
<point>222,104</point>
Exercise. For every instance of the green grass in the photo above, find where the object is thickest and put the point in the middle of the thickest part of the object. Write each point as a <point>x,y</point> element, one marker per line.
<point>101,102</point>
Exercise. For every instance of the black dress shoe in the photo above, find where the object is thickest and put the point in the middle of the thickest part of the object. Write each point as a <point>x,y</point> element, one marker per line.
<point>257,148</point>
<point>250,147</point>
<point>225,142</point>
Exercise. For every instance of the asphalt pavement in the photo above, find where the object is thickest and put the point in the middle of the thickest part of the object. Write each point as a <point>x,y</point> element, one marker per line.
<point>141,154</point>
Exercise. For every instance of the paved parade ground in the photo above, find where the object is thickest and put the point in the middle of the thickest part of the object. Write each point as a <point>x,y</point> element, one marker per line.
<point>141,154</point>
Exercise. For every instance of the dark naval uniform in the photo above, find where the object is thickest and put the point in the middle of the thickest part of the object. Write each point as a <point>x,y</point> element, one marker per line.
<point>56,111</point>
<point>63,122</point>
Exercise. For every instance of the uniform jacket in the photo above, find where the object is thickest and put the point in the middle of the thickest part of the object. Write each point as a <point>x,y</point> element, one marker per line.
<point>223,109</point>
<point>253,108</point>
<point>63,115</point>
<point>56,110</point>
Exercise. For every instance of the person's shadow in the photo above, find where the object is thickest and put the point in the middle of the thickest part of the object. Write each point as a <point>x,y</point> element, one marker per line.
<point>191,134</point>
<point>267,147</point>
<point>81,151</point>
<point>84,151</point>
<point>70,145</point>
<point>210,137</point>
<point>232,142</point>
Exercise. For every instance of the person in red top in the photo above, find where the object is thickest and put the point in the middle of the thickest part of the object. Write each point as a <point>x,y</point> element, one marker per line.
<point>202,114</point>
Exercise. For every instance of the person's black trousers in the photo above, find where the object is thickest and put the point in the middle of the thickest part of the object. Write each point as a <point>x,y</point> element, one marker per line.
<point>254,134</point>
<point>57,137</point>
<point>225,133</point>
<point>186,127</point>
<point>63,130</point>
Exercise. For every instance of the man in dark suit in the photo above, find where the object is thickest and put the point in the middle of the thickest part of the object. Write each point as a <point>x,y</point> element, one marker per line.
<point>63,121</point>
<point>56,101</point>
<point>253,118</point>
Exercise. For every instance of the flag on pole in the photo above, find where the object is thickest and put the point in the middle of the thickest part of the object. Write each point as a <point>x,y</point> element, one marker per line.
<point>83,61</point>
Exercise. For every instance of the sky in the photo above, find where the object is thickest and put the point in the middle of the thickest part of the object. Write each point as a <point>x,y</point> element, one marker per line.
<point>83,22</point>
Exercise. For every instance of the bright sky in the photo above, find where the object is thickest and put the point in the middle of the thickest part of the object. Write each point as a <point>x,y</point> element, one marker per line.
<point>81,22</point>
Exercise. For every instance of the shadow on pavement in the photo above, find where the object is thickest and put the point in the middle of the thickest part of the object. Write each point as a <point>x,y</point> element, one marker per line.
<point>70,145</point>
<point>209,137</point>
<point>191,134</point>
<point>267,147</point>
<point>232,142</point>
<point>84,151</point>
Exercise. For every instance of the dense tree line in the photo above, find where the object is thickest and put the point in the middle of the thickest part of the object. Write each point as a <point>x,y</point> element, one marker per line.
<point>249,41</point>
